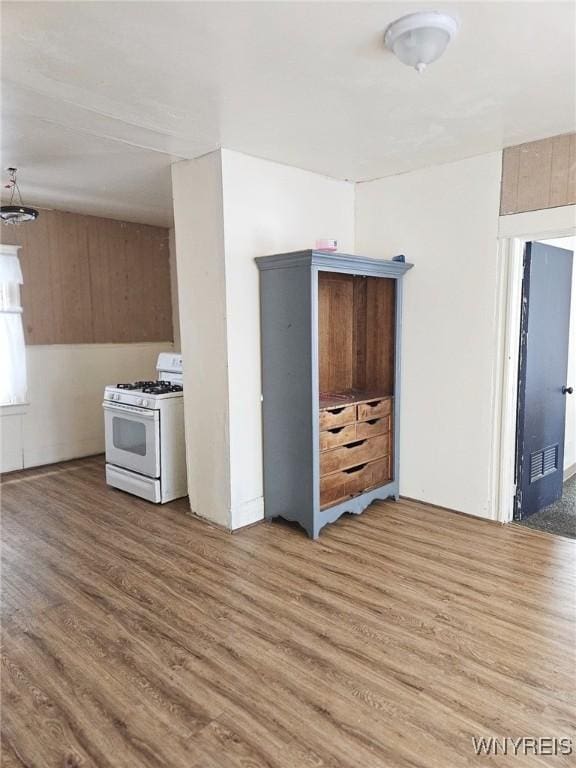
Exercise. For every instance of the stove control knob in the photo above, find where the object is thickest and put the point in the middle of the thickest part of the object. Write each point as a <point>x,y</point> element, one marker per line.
<point>116,397</point>
<point>145,403</point>
<point>140,402</point>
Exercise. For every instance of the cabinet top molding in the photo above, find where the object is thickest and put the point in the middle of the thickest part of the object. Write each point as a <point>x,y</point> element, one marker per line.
<point>336,262</point>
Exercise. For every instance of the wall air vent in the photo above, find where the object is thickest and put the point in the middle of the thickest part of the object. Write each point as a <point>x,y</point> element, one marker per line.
<point>543,462</point>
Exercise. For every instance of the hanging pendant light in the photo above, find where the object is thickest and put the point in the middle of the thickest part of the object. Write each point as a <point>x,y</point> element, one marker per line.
<point>420,38</point>
<point>16,212</point>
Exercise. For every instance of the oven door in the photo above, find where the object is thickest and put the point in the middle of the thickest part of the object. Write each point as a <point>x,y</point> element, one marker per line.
<point>133,438</point>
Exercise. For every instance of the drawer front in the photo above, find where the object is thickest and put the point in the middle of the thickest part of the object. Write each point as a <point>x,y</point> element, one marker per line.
<point>332,438</point>
<point>337,417</point>
<point>377,473</point>
<point>339,486</point>
<point>351,482</point>
<point>374,409</point>
<point>373,427</point>
<point>353,454</point>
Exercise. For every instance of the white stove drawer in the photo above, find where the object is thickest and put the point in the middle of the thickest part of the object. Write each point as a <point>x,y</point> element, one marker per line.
<point>146,487</point>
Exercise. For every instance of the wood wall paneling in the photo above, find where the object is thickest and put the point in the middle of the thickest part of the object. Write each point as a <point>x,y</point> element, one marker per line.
<point>539,175</point>
<point>93,280</point>
<point>37,268</point>
<point>70,286</point>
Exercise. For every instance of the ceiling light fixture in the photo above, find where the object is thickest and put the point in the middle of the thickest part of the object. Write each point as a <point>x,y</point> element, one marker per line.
<point>420,38</point>
<point>16,212</point>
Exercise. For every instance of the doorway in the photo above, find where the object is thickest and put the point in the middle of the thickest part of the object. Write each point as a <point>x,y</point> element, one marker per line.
<point>545,457</point>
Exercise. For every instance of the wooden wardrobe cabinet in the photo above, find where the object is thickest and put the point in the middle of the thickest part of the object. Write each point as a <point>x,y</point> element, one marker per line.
<point>331,328</point>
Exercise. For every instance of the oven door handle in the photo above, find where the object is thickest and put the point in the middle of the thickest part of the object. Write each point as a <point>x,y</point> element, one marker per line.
<point>131,410</point>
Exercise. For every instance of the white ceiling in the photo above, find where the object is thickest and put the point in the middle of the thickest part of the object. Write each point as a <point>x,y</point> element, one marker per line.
<point>99,98</point>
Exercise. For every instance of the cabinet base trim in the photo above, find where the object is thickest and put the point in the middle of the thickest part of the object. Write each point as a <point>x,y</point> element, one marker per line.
<point>313,523</point>
<point>356,505</point>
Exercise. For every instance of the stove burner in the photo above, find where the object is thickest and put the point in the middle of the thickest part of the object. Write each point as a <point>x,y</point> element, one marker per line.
<point>162,389</point>
<point>152,387</point>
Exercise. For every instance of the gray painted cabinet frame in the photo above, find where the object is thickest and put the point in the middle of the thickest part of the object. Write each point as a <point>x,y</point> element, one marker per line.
<point>290,383</point>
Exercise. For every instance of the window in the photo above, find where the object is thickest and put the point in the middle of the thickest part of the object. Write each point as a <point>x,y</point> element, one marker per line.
<point>12,348</point>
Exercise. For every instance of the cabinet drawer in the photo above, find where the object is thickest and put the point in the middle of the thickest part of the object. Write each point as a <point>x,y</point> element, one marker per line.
<point>354,453</point>
<point>351,482</point>
<point>377,473</point>
<point>374,409</point>
<point>331,438</point>
<point>373,427</point>
<point>337,417</point>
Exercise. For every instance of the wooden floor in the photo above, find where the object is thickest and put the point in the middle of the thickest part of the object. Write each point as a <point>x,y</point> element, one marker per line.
<point>136,636</point>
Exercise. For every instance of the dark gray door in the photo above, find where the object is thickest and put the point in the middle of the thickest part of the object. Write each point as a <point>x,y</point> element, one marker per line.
<point>542,385</point>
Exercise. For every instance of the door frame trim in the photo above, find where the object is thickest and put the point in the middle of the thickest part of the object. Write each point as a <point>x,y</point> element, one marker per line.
<point>514,231</point>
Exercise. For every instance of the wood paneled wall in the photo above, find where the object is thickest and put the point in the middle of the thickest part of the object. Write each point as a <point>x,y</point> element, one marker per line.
<point>93,280</point>
<point>540,174</point>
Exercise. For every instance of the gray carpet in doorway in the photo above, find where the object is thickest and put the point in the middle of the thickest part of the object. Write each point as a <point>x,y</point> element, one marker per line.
<point>560,517</point>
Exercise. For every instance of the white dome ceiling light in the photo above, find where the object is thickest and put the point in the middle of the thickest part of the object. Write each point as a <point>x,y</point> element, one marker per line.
<point>420,38</point>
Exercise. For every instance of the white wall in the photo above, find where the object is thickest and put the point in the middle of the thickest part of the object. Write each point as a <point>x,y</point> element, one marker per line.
<point>570,436</point>
<point>63,419</point>
<point>11,442</point>
<point>174,289</point>
<point>445,220</point>
<point>198,222</point>
<point>230,208</point>
<point>268,208</point>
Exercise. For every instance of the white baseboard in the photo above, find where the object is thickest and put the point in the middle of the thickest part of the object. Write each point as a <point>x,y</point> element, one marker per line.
<point>11,460</point>
<point>248,513</point>
<point>52,454</point>
<point>11,452</point>
<point>569,472</point>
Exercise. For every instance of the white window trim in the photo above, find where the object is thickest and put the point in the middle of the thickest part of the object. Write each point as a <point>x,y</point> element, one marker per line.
<point>14,409</point>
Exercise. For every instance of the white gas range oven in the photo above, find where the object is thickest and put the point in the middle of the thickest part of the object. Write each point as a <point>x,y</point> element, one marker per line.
<point>144,424</point>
